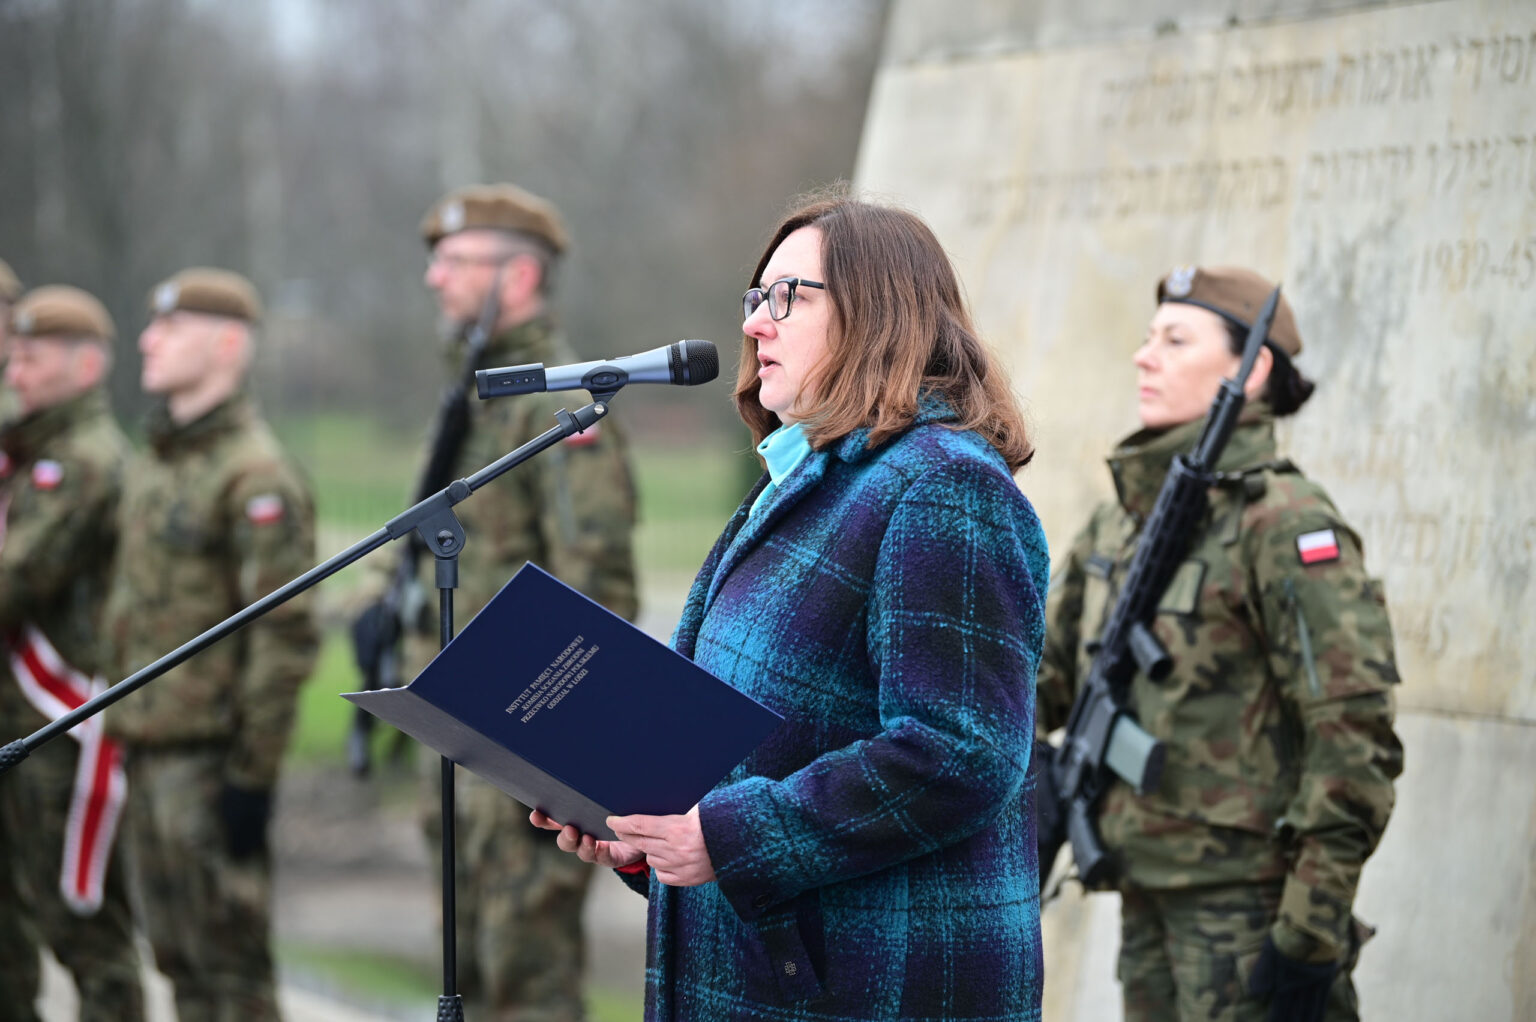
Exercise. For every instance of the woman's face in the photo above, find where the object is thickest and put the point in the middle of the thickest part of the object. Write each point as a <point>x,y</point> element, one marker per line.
<point>1181,364</point>
<point>789,349</point>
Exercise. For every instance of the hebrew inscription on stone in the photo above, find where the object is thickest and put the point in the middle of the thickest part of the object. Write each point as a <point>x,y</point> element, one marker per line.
<point>1382,164</point>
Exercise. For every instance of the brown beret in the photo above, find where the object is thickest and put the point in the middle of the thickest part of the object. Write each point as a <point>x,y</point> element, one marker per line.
<point>61,311</point>
<point>211,292</point>
<point>1236,295</point>
<point>503,207</point>
<point>10,287</point>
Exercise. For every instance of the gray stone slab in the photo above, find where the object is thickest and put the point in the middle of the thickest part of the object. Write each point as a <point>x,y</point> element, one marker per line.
<point>1380,159</point>
<point>1383,165</point>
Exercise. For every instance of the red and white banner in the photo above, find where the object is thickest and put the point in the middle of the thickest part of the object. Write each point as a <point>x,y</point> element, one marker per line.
<point>101,786</point>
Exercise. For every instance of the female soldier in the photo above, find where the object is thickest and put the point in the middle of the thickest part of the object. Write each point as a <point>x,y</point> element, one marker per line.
<point>882,589</point>
<point>1239,872</point>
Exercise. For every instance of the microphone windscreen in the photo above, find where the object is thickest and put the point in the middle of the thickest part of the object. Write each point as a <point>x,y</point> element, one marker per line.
<point>700,362</point>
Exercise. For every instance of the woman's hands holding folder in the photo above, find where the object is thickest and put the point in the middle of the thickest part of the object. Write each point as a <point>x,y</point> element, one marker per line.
<point>608,854</point>
<point>672,846</point>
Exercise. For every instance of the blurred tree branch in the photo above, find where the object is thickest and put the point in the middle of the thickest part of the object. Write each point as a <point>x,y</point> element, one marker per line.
<point>299,141</point>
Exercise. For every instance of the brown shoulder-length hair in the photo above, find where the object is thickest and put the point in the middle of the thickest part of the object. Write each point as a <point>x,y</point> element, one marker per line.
<point>899,327</point>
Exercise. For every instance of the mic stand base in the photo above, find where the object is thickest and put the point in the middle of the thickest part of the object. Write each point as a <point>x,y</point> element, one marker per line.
<point>450,1009</point>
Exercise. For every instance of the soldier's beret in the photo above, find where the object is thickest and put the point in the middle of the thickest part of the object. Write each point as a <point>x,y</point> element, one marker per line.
<point>504,207</point>
<point>209,291</point>
<point>59,310</point>
<point>10,287</point>
<point>1236,295</point>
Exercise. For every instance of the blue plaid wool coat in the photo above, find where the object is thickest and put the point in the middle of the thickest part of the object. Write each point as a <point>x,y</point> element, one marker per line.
<point>876,854</point>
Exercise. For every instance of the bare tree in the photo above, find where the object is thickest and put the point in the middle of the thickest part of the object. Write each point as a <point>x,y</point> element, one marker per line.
<point>300,142</point>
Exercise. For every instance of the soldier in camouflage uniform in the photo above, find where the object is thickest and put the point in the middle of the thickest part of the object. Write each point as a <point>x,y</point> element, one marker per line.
<point>571,510</point>
<point>18,943</point>
<point>1239,872</point>
<point>214,516</point>
<point>60,478</point>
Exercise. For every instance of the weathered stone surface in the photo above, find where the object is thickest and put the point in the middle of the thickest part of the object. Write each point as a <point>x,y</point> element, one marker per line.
<point>1381,163</point>
<point>932,32</point>
<point>1380,159</point>
<point>1451,890</point>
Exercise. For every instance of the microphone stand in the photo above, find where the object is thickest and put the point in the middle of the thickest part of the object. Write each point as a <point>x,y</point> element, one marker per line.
<point>442,533</point>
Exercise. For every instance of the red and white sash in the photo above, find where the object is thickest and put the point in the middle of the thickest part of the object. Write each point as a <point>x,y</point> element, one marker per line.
<point>55,688</point>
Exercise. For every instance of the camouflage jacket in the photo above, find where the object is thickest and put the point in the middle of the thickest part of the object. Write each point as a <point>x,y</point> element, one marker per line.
<point>214,516</point>
<point>570,509</point>
<point>10,405</point>
<point>1278,711</point>
<point>60,479</point>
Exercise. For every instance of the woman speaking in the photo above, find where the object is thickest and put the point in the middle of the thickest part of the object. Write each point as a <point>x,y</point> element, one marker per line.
<point>882,588</point>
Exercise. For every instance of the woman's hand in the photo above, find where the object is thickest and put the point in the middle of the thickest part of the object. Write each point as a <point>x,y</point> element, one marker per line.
<point>673,846</point>
<point>608,854</point>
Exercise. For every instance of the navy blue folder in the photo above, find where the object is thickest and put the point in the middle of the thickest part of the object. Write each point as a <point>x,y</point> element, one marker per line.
<point>570,709</point>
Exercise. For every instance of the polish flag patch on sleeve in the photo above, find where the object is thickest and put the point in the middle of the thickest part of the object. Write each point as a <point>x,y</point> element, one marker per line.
<point>1318,547</point>
<point>265,509</point>
<point>47,474</point>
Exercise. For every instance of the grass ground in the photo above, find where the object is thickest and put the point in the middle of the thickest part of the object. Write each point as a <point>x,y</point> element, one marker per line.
<point>361,476</point>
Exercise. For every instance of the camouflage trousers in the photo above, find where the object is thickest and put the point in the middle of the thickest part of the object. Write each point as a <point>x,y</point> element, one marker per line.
<point>19,974</point>
<point>98,949</point>
<point>518,905</point>
<point>1186,955</point>
<point>207,915</point>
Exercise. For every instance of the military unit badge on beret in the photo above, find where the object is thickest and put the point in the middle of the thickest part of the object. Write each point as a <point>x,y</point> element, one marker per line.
<point>166,295</point>
<point>23,321</point>
<point>1181,281</point>
<point>453,217</point>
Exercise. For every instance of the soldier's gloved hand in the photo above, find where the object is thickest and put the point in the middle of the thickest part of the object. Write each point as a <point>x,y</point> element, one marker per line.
<point>1297,990</point>
<point>245,814</point>
<point>376,629</point>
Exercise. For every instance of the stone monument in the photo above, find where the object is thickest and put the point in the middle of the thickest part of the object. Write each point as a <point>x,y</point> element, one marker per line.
<point>1380,160</point>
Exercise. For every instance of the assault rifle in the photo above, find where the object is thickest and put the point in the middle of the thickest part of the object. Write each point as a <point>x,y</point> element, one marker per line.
<point>1102,736</point>
<point>376,633</point>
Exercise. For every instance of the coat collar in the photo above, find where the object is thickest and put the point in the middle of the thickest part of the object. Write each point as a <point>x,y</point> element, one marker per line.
<point>1141,461</point>
<point>745,530</point>
<point>167,436</point>
<point>26,437</point>
<point>855,447</point>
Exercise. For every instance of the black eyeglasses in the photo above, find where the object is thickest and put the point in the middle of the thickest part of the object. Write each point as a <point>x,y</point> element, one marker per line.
<point>780,296</point>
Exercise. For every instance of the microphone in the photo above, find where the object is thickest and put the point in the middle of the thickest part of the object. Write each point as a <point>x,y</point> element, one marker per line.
<point>683,364</point>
